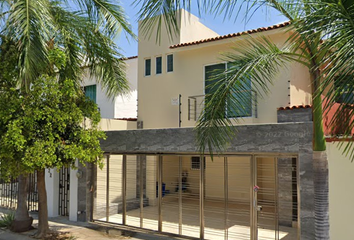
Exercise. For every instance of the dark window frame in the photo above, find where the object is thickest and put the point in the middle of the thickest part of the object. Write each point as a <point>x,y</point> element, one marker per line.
<point>195,163</point>
<point>91,87</point>
<point>147,67</point>
<point>169,63</point>
<point>158,68</point>
<point>248,111</point>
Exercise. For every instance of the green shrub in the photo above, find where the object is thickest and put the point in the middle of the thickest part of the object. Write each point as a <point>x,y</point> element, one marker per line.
<point>7,219</point>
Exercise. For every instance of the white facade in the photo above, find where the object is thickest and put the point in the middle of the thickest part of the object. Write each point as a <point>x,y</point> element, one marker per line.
<point>124,106</point>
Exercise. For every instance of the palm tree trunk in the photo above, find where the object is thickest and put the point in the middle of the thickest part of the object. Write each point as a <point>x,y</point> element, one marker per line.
<point>320,166</point>
<point>43,227</point>
<point>22,221</point>
<point>320,163</point>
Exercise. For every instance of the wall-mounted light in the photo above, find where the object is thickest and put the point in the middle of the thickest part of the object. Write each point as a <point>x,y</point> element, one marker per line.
<point>79,174</point>
<point>50,173</point>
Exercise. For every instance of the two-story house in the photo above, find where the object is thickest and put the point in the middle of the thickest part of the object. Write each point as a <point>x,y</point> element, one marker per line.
<point>261,187</point>
<point>252,191</point>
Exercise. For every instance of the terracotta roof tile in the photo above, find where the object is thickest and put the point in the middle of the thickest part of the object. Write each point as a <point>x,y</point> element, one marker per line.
<point>127,58</point>
<point>295,107</point>
<point>127,119</point>
<point>231,35</point>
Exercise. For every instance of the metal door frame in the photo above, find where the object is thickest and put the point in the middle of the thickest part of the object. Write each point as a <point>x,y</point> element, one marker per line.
<point>64,191</point>
<point>254,196</point>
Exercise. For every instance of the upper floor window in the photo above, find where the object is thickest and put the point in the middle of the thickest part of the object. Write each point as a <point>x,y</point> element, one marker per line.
<point>90,92</point>
<point>170,63</point>
<point>147,67</point>
<point>243,98</point>
<point>158,65</point>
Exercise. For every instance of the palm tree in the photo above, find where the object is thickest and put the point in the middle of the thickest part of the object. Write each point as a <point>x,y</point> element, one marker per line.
<point>260,60</point>
<point>83,30</point>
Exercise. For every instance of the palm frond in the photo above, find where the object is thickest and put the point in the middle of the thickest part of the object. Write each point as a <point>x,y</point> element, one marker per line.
<point>258,60</point>
<point>27,25</point>
<point>158,14</point>
<point>86,46</point>
<point>107,14</point>
<point>335,20</point>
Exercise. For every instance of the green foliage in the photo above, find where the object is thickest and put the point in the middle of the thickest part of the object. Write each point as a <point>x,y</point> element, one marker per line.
<point>57,57</point>
<point>8,58</point>
<point>7,219</point>
<point>44,128</point>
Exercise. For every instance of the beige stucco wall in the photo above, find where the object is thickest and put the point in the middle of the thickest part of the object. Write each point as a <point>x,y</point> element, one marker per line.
<point>266,179</point>
<point>341,194</point>
<point>113,124</point>
<point>239,177</point>
<point>156,92</point>
<point>115,179</point>
<point>300,87</point>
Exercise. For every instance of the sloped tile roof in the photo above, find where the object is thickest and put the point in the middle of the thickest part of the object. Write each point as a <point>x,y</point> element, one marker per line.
<point>127,58</point>
<point>231,35</point>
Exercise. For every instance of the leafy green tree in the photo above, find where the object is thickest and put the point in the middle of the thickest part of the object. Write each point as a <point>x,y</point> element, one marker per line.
<point>321,39</point>
<point>44,129</point>
<point>83,29</point>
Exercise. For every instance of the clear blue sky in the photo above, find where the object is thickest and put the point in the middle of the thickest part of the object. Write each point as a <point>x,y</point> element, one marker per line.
<point>262,18</point>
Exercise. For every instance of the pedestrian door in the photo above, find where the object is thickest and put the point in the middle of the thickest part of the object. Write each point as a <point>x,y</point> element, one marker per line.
<point>274,198</point>
<point>64,191</point>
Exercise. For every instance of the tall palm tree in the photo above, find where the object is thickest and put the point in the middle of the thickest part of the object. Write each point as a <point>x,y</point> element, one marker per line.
<point>84,30</point>
<point>321,39</point>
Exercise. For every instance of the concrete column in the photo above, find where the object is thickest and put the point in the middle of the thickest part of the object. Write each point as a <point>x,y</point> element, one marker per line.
<point>73,197</point>
<point>52,187</point>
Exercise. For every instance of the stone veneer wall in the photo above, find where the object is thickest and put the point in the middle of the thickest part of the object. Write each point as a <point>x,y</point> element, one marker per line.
<point>295,115</point>
<point>85,191</point>
<point>285,138</point>
<point>285,191</point>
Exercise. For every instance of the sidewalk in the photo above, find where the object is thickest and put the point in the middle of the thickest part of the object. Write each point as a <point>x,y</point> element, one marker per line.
<point>80,231</point>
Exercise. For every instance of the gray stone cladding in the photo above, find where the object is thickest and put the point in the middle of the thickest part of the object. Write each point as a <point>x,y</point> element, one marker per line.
<point>295,115</point>
<point>85,191</point>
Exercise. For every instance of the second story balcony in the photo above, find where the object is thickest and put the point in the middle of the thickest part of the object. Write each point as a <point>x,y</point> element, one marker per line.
<point>247,108</point>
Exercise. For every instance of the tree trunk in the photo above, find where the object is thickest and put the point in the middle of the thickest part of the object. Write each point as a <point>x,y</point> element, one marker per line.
<point>320,162</point>
<point>320,166</point>
<point>43,227</point>
<point>22,221</point>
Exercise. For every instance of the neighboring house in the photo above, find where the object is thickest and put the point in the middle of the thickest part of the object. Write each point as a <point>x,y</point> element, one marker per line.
<point>117,107</point>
